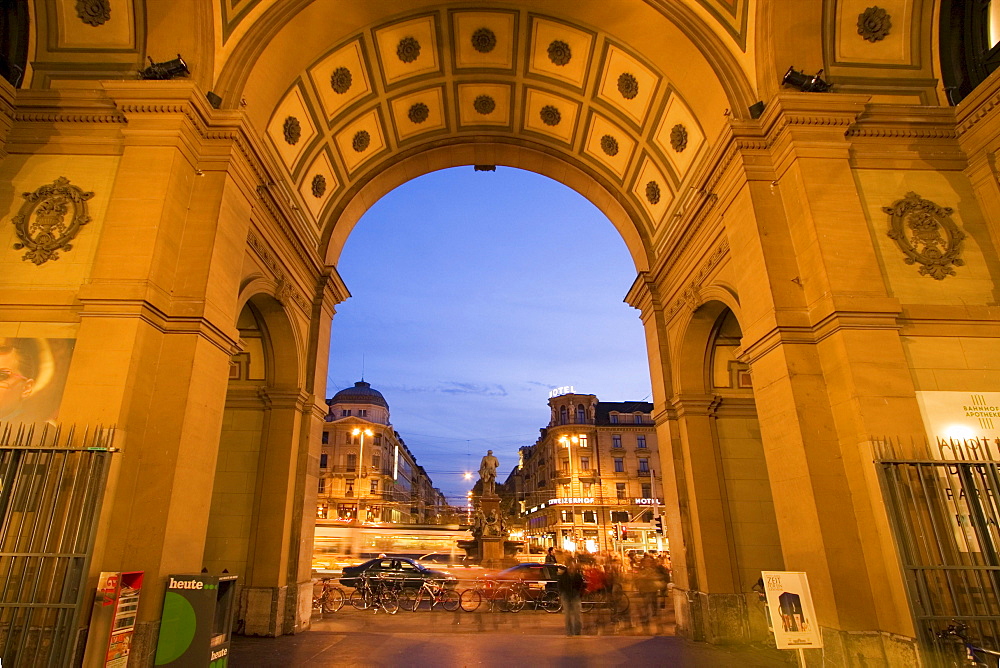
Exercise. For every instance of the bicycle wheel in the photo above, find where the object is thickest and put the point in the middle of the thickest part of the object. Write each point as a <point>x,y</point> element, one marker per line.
<point>550,602</point>
<point>470,600</point>
<point>424,599</point>
<point>619,603</point>
<point>388,601</point>
<point>333,599</point>
<point>514,601</point>
<point>359,599</point>
<point>408,598</point>
<point>588,606</point>
<point>450,600</point>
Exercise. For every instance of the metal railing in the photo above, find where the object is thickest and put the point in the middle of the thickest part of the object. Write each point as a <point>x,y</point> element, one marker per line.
<point>945,514</point>
<point>51,488</point>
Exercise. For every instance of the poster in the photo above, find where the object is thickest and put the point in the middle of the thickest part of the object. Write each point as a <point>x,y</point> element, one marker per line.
<point>32,378</point>
<point>790,606</point>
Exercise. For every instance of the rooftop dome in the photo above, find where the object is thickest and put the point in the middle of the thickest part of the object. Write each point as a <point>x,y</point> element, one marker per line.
<point>361,393</point>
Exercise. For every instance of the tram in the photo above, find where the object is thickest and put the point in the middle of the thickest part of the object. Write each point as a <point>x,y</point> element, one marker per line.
<point>339,544</point>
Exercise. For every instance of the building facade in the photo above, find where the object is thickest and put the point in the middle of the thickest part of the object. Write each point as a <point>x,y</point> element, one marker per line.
<point>177,235</point>
<point>367,473</point>
<point>591,480</point>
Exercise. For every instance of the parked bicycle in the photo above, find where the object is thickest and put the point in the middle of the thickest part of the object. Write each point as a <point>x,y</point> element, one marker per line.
<point>375,592</point>
<point>980,657</point>
<point>515,596</point>
<point>431,594</point>
<point>327,597</point>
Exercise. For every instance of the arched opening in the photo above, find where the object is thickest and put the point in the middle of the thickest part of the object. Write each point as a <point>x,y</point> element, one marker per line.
<point>258,449</point>
<point>733,524</point>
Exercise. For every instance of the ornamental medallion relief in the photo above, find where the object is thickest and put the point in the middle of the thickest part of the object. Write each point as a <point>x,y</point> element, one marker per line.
<point>50,219</point>
<point>926,234</point>
<point>874,24</point>
<point>93,12</point>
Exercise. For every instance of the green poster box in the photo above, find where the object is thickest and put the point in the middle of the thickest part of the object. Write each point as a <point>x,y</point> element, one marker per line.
<point>197,621</point>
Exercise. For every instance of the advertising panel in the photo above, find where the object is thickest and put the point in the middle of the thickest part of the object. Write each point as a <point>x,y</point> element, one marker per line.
<point>32,378</point>
<point>790,606</point>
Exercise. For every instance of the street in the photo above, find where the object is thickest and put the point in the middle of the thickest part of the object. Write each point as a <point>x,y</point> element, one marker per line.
<point>363,638</point>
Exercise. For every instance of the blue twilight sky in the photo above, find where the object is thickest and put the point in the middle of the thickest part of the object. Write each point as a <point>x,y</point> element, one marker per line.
<point>473,295</point>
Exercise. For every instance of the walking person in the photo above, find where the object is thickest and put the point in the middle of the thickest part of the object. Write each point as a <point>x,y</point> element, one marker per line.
<point>571,585</point>
<point>550,556</point>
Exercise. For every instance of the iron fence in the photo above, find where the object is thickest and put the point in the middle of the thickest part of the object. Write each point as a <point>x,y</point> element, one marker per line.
<point>944,507</point>
<point>51,486</point>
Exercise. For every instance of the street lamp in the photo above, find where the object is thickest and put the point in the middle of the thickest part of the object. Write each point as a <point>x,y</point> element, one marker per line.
<point>361,450</point>
<point>567,442</point>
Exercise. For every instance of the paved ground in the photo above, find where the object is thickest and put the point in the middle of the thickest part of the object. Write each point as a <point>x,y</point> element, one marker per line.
<point>440,639</point>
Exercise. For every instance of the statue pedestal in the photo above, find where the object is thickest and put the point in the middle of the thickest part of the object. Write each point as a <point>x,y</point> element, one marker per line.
<point>491,545</point>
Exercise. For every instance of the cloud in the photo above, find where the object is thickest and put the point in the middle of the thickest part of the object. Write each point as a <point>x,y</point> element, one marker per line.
<point>450,388</point>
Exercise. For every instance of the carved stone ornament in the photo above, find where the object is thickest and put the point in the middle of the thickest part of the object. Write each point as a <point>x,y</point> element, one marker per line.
<point>559,52</point>
<point>418,113</point>
<point>341,80</point>
<point>874,24</point>
<point>318,185</point>
<point>42,224</point>
<point>484,40</point>
<point>292,129</point>
<point>926,234</point>
<point>93,12</point>
<point>550,115</point>
<point>609,145</point>
<point>408,49</point>
<point>628,86</point>
<point>484,104</point>
<point>653,192</point>
<point>678,138</point>
<point>361,141</point>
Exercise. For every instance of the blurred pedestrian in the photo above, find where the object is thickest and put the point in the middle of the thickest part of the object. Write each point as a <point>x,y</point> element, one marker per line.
<point>550,556</point>
<point>571,585</point>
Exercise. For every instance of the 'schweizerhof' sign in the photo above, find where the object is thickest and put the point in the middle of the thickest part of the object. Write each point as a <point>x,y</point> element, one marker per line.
<point>571,499</point>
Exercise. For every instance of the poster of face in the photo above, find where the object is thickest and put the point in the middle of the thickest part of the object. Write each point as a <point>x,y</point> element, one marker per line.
<point>790,605</point>
<point>32,378</point>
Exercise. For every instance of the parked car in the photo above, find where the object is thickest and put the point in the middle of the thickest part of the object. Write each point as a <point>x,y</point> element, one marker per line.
<point>542,575</point>
<point>409,572</point>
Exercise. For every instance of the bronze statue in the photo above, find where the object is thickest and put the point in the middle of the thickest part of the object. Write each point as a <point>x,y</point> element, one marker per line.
<point>488,473</point>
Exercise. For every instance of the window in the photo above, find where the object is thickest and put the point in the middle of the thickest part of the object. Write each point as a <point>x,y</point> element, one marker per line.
<point>583,440</point>
<point>619,465</point>
<point>362,412</point>
<point>376,460</point>
<point>352,461</point>
<point>322,460</point>
<point>637,418</point>
<point>374,488</point>
<point>620,490</point>
<point>587,488</point>
<point>322,486</point>
<point>345,413</point>
<point>326,437</point>
<point>590,517</point>
<point>585,463</point>
<point>565,491</point>
<point>616,440</point>
<point>563,415</point>
<point>567,515</point>
<point>350,488</point>
<point>619,516</point>
<point>643,465</point>
<point>581,414</point>
<point>640,441</point>
<point>647,490</point>
<point>378,439</point>
<point>348,438</point>
<point>564,465</point>
<point>347,511</point>
<point>614,418</point>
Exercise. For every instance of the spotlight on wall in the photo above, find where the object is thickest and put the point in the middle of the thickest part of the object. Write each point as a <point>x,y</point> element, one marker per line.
<point>214,99</point>
<point>756,109</point>
<point>169,69</point>
<point>804,82</point>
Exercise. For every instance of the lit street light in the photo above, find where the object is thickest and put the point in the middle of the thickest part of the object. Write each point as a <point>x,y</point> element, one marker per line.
<point>361,449</point>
